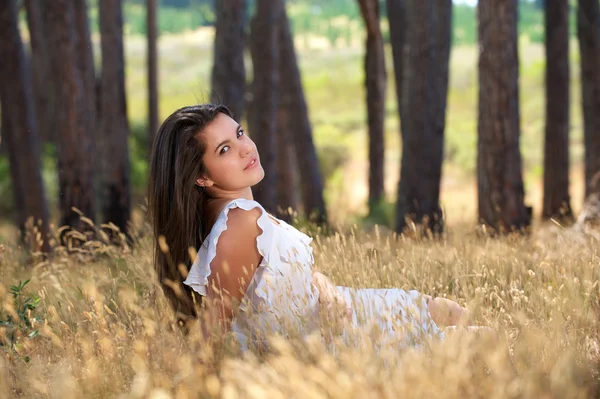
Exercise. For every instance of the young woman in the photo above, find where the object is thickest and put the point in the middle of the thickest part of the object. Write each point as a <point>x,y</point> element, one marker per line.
<point>254,271</point>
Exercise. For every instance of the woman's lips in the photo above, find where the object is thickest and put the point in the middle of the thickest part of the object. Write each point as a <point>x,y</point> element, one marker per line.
<point>253,162</point>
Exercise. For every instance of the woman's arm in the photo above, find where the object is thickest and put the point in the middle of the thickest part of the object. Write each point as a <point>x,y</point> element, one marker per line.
<point>232,269</point>
<point>335,310</point>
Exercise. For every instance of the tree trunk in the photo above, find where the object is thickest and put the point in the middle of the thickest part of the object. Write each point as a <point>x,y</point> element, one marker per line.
<point>396,13</point>
<point>298,126</point>
<point>375,82</point>
<point>500,185</point>
<point>152,32</point>
<point>287,168</point>
<point>556,145</point>
<point>43,81</point>
<point>228,73</point>
<point>20,133</point>
<point>265,96</point>
<point>588,32</point>
<point>116,204</point>
<point>85,58</point>
<point>74,141</point>
<point>422,123</point>
<point>443,43</point>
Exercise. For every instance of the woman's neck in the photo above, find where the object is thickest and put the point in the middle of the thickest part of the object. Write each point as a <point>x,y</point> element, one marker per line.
<point>215,194</point>
<point>215,202</point>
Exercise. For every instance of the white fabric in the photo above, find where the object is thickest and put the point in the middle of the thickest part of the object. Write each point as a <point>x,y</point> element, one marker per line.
<point>282,299</point>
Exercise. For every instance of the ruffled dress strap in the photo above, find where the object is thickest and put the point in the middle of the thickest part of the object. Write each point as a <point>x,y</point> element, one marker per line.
<point>197,277</point>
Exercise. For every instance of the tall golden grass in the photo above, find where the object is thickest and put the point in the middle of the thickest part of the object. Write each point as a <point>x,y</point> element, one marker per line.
<point>107,330</point>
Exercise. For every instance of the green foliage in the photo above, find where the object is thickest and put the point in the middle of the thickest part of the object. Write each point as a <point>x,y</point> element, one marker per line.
<point>332,19</point>
<point>464,24</point>
<point>49,177</point>
<point>6,193</point>
<point>171,19</point>
<point>331,158</point>
<point>382,213</point>
<point>19,324</point>
<point>138,158</point>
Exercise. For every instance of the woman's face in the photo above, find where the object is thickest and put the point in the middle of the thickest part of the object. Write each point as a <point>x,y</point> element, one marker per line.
<point>231,158</point>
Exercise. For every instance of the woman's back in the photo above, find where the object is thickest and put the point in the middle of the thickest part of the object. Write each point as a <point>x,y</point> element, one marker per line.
<point>280,296</point>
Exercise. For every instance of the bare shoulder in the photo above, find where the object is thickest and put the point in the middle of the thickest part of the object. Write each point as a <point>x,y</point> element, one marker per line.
<point>236,258</point>
<point>237,244</point>
<point>242,227</point>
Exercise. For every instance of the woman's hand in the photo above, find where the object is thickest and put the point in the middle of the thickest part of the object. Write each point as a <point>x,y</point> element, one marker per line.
<point>334,307</point>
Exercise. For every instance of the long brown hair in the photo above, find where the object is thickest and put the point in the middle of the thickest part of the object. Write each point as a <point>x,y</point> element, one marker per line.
<point>176,205</point>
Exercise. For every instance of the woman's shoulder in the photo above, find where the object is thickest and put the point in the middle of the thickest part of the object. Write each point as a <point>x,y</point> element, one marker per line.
<point>242,219</point>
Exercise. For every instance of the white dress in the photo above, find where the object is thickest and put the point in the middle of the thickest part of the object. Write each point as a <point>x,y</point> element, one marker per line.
<point>281,298</point>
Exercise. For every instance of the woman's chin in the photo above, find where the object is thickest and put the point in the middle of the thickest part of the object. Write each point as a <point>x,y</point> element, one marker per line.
<point>259,176</point>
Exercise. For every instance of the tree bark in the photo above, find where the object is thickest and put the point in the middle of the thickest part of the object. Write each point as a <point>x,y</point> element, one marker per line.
<point>424,82</point>
<point>85,58</point>
<point>116,204</point>
<point>229,73</point>
<point>264,51</point>
<point>299,127</point>
<point>588,32</point>
<point>500,185</point>
<point>556,146</point>
<point>20,132</point>
<point>443,43</point>
<point>375,82</point>
<point>43,82</point>
<point>152,35</point>
<point>74,141</point>
<point>287,168</point>
<point>396,13</point>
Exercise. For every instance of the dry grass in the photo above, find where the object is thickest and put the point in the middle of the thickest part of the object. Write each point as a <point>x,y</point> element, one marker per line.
<point>108,333</point>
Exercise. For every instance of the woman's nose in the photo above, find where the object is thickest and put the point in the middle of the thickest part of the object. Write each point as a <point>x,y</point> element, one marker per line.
<point>246,149</point>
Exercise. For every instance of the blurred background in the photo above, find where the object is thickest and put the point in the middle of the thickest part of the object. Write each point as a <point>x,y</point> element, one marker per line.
<point>365,111</point>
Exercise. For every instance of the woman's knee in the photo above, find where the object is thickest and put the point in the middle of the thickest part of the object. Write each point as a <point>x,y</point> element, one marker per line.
<point>445,312</point>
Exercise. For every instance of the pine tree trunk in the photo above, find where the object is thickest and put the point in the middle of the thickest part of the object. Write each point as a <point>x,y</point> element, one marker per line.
<point>43,82</point>
<point>287,168</point>
<point>264,51</point>
<point>152,33</point>
<point>375,83</point>
<point>443,37</point>
<point>396,12</point>
<point>556,145</point>
<point>422,131</point>
<point>299,127</point>
<point>85,58</point>
<point>229,73</point>
<point>116,204</point>
<point>500,185</point>
<point>74,141</point>
<point>588,32</point>
<point>20,132</point>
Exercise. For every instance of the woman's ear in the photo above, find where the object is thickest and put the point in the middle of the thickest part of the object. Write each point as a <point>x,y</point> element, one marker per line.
<point>204,182</point>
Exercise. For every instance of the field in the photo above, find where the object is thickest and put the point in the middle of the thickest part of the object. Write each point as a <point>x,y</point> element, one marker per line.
<point>105,330</point>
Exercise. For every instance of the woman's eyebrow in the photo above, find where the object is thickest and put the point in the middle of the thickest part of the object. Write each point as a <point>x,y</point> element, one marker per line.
<point>239,127</point>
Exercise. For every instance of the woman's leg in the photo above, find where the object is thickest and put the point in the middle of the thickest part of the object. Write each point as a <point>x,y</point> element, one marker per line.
<point>445,312</point>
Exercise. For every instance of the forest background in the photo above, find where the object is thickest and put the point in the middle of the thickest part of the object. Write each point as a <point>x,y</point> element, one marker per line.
<point>329,38</point>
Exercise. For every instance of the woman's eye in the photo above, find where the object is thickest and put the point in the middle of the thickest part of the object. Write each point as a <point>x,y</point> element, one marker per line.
<point>224,149</point>
<point>240,133</point>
